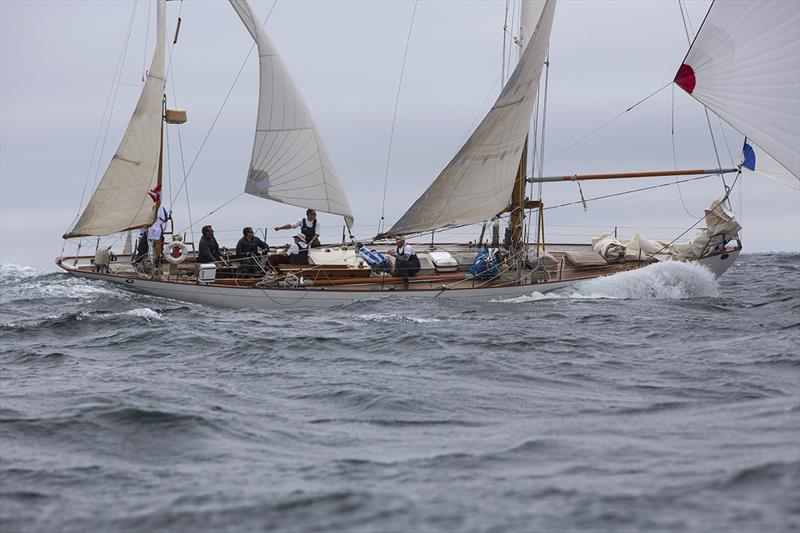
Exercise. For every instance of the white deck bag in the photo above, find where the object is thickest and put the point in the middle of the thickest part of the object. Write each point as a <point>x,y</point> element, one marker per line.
<point>721,225</point>
<point>639,247</point>
<point>608,247</point>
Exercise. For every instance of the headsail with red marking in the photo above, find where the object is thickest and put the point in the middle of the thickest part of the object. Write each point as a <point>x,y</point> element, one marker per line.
<point>744,65</point>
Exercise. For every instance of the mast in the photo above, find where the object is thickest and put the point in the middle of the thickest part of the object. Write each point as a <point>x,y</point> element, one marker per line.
<point>479,180</point>
<point>159,245</point>
<point>121,200</point>
<point>517,219</point>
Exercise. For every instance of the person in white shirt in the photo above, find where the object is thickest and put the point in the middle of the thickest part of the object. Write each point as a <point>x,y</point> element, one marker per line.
<point>309,226</point>
<point>298,252</point>
<point>155,232</point>
<point>406,262</point>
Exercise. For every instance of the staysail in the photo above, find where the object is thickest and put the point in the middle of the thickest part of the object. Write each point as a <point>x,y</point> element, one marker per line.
<point>290,163</point>
<point>476,185</point>
<point>744,65</point>
<point>121,200</point>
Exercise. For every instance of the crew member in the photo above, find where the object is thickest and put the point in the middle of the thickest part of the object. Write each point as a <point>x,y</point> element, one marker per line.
<point>298,252</point>
<point>156,236</point>
<point>309,227</point>
<point>141,247</point>
<point>208,247</point>
<point>406,262</point>
<point>246,250</point>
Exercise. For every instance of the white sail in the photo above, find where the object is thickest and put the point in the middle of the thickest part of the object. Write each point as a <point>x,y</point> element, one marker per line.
<point>531,12</point>
<point>758,161</point>
<point>744,65</point>
<point>290,163</point>
<point>121,200</point>
<point>476,185</point>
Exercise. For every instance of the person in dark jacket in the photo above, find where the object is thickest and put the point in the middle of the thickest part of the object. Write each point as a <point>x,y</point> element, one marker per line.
<point>247,249</point>
<point>142,247</point>
<point>208,248</point>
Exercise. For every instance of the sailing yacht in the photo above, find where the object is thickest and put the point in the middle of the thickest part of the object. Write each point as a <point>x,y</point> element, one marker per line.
<point>751,79</point>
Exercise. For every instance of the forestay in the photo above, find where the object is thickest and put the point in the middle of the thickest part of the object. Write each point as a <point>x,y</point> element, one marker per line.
<point>476,185</point>
<point>290,163</point>
<point>744,65</point>
<point>121,200</point>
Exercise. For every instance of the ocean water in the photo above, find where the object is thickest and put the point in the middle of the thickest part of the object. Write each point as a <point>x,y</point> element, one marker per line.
<point>656,400</point>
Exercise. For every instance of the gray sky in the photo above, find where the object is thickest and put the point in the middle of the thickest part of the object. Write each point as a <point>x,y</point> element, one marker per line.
<point>57,61</point>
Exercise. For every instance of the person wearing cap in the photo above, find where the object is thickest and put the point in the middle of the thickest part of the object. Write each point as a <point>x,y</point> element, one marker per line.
<point>309,227</point>
<point>298,252</point>
<point>406,262</point>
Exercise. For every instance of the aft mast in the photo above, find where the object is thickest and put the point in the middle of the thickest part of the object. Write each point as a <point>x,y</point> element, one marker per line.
<point>121,201</point>
<point>479,181</point>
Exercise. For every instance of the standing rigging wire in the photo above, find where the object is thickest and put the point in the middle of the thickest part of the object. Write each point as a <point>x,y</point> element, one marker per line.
<point>169,165</point>
<point>675,157</point>
<point>114,98</point>
<point>186,172</point>
<point>171,78</point>
<point>480,112</point>
<point>511,39</point>
<point>505,31</point>
<point>146,39</point>
<point>687,28</point>
<point>725,138</point>
<point>700,219</point>
<point>605,124</point>
<point>222,106</point>
<point>394,119</point>
<point>107,111</point>
<point>533,142</point>
<point>541,144</point>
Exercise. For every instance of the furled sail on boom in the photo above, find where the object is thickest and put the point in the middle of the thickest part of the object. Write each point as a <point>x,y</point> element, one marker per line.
<point>121,200</point>
<point>290,163</point>
<point>744,65</point>
<point>476,185</point>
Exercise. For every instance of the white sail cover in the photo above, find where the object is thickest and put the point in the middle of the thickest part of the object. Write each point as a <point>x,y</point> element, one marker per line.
<point>744,65</point>
<point>476,185</point>
<point>121,200</point>
<point>290,163</point>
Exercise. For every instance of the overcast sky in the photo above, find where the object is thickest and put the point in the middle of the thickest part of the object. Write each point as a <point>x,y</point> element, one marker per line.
<point>57,65</point>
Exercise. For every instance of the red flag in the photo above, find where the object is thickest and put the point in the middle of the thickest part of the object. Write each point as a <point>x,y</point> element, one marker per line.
<point>155,194</point>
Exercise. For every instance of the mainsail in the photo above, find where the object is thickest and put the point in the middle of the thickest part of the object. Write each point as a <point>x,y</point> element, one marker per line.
<point>744,65</point>
<point>476,185</point>
<point>121,200</point>
<point>290,163</point>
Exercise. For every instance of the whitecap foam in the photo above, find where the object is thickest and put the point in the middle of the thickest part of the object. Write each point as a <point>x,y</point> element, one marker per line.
<point>670,280</point>
<point>397,318</point>
<point>73,288</point>
<point>14,272</point>
<point>144,312</point>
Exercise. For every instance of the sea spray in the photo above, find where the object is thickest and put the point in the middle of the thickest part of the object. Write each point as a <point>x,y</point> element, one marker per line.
<point>666,281</point>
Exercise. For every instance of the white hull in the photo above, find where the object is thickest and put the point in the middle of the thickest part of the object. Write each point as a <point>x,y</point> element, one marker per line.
<point>257,298</point>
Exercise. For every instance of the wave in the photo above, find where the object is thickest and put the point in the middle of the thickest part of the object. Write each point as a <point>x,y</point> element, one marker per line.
<point>10,272</point>
<point>60,320</point>
<point>670,280</point>
<point>396,318</point>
